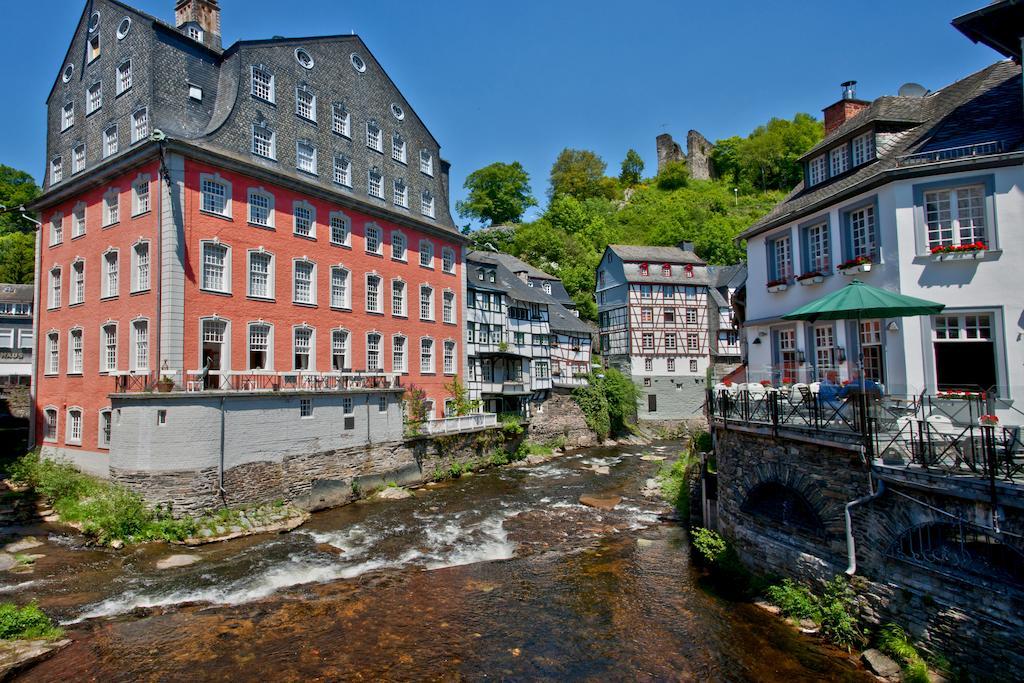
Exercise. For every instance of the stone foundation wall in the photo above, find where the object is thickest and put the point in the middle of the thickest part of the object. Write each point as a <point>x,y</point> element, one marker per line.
<point>560,418</point>
<point>17,399</point>
<point>976,622</point>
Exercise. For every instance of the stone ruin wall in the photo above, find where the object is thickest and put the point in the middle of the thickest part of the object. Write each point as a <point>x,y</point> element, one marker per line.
<point>697,155</point>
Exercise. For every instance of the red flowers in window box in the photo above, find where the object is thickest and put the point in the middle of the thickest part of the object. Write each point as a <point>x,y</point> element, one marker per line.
<point>959,248</point>
<point>766,383</point>
<point>988,421</point>
<point>808,276</point>
<point>787,380</point>
<point>854,262</point>
<point>778,281</point>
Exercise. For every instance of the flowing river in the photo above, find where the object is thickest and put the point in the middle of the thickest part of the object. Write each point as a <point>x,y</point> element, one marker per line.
<point>499,575</point>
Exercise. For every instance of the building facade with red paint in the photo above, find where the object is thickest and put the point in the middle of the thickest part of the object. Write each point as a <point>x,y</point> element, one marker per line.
<point>268,217</point>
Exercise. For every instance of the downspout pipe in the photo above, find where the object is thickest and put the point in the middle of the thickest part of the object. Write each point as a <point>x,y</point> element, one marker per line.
<point>220,484</point>
<point>851,550</point>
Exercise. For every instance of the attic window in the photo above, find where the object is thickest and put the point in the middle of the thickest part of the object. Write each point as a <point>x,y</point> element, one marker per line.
<point>304,59</point>
<point>94,47</point>
<point>666,270</point>
<point>124,27</point>
<point>68,71</point>
<point>195,92</point>
<point>195,33</point>
<point>644,269</point>
<point>358,63</point>
<point>397,111</point>
<point>94,21</point>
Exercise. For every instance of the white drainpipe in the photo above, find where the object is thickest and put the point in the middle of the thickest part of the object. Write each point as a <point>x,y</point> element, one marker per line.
<point>851,551</point>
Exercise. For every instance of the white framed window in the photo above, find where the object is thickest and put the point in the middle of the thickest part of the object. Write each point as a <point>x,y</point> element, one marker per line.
<point>693,365</point>
<point>304,219</point>
<point>955,216</point>
<point>140,125</point>
<point>52,353</point>
<point>56,170</point>
<point>671,364</point>
<point>50,424</point>
<point>216,275</point>
<point>341,287</point>
<point>305,103</point>
<point>108,354</point>
<point>863,148</point>
<point>339,350</point>
<point>124,77</point>
<point>398,148</point>
<point>304,282</point>
<point>74,433</point>
<point>260,347</point>
<point>374,362</point>
<point>448,359</point>
<point>261,274</point>
<point>398,354</point>
<point>398,305</point>
<point>781,258</point>
<point>67,116</point>
<point>306,407</point>
<point>427,204</point>
<point>692,340</point>
<point>55,278</point>
<point>105,428</point>
<point>111,274</point>
<point>341,120</point>
<point>818,257</point>
<point>262,83</point>
<point>347,405</point>
<point>341,229</point>
<point>862,231</point>
<point>398,246</point>
<point>670,341</point>
<point>342,170</point>
<point>140,346</point>
<point>824,348</point>
<point>75,352</point>
<point>426,302</point>
<point>546,286</point>
<point>305,156</point>
<point>215,195</point>
<point>110,141</point>
<point>374,137</point>
<point>375,183</point>
<point>261,207</point>
<point>94,98</point>
<point>77,294</point>
<point>839,160</point>
<point>817,170</point>
<point>195,92</point>
<point>56,229</point>
<point>373,239</point>
<point>264,141</point>
<point>426,355</point>
<point>427,254</point>
<point>302,348</point>
<point>111,206</point>
<point>140,196</point>
<point>78,158</point>
<point>448,307</point>
<point>78,221</point>
<point>373,294</point>
<point>426,162</point>
<point>401,193</point>
<point>448,264</point>
<point>140,266</point>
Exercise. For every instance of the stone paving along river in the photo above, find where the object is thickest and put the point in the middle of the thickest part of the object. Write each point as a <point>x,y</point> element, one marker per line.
<point>500,575</point>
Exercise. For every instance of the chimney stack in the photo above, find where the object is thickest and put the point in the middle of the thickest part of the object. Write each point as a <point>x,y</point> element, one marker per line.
<point>204,14</point>
<point>845,109</point>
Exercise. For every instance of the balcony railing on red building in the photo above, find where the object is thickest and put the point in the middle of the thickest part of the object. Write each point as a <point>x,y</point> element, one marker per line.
<point>196,381</point>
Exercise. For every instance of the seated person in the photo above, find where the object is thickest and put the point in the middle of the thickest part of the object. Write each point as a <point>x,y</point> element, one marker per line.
<point>828,389</point>
<point>853,387</point>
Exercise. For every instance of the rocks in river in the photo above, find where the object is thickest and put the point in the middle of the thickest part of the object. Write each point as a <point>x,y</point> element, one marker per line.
<point>881,664</point>
<point>808,626</point>
<point>16,655</point>
<point>651,489</point>
<point>535,459</point>
<point>180,560</point>
<point>329,549</point>
<point>393,493</point>
<point>24,544</point>
<point>601,469</point>
<point>647,457</point>
<point>600,502</point>
<point>117,544</point>
<point>767,607</point>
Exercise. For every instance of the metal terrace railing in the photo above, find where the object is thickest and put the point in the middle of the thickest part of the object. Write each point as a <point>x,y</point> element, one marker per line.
<point>257,381</point>
<point>950,153</point>
<point>460,423</point>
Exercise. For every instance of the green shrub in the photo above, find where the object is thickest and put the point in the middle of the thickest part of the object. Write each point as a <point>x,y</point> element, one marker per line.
<point>511,424</point>
<point>794,600</point>
<point>520,453</point>
<point>701,442</point>
<point>24,623</point>
<point>838,621</point>
<point>710,546</point>
<point>674,478</point>
<point>893,641</point>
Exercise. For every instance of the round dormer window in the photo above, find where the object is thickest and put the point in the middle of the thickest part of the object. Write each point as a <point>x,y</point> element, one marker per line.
<point>358,63</point>
<point>397,111</point>
<point>68,71</point>
<point>124,27</point>
<point>94,21</point>
<point>304,59</point>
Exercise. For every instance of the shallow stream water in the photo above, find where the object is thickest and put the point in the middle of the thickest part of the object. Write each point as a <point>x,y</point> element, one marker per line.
<point>499,575</point>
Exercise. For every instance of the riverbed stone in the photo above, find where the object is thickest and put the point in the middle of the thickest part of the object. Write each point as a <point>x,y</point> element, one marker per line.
<point>602,469</point>
<point>24,544</point>
<point>652,458</point>
<point>881,664</point>
<point>179,560</point>
<point>16,655</point>
<point>393,493</point>
<point>601,502</point>
<point>7,562</point>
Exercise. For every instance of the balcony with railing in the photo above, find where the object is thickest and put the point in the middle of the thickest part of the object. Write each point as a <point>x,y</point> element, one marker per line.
<point>253,381</point>
<point>460,423</point>
<point>950,153</point>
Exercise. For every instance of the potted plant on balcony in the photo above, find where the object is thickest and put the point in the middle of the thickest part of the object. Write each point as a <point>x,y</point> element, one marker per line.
<point>858,264</point>
<point>953,252</point>
<point>778,284</point>
<point>988,421</point>
<point>811,278</point>
<point>164,384</point>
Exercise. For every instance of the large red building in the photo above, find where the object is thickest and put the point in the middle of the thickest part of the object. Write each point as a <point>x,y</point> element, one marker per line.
<point>233,219</point>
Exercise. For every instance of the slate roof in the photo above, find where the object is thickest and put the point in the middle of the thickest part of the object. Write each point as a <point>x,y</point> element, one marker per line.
<point>706,276</point>
<point>628,252</point>
<point>517,265</point>
<point>985,106</point>
<point>17,293</point>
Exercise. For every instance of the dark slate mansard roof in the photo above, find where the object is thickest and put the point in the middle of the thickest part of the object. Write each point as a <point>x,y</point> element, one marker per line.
<point>985,106</point>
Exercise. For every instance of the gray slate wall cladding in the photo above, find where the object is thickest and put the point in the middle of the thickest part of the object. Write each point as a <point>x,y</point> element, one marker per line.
<point>165,63</point>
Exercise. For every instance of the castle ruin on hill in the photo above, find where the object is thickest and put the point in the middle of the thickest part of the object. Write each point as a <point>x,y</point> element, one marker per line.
<point>697,155</point>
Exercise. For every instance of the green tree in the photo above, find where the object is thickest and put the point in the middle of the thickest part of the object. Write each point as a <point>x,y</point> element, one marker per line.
<point>17,257</point>
<point>632,169</point>
<point>724,159</point>
<point>768,157</point>
<point>16,188</point>
<point>580,174</point>
<point>499,193</point>
<point>463,405</point>
<point>673,176</point>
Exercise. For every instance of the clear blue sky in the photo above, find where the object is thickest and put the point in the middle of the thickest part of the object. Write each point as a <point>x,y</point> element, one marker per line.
<point>504,81</point>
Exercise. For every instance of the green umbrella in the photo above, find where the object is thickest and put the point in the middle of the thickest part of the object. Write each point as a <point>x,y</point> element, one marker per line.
<point>858,300</point>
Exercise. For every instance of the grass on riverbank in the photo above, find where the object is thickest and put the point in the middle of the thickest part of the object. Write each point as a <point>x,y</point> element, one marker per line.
<point>26,623</point>
<point>833,610</point>
<point>893,641</point>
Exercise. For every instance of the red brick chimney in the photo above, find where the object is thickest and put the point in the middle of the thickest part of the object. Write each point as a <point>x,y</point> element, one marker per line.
<point>845,109</point>
<point>204,13</point>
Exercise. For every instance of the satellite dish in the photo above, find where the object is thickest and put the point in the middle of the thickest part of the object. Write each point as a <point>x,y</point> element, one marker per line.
<point>912,90</point>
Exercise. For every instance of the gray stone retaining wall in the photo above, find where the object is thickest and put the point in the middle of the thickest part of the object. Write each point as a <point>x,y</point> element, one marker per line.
<point>559,417</point>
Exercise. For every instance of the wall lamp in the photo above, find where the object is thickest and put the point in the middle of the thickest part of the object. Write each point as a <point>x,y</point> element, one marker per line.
<point>757,340</point>
<point>800,357</point>
<point>892,326</point>
<point>841,354</point>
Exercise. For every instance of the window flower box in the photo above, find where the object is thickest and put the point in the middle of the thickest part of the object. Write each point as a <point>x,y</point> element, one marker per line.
<point>860,264</point>
<point>810,279</point>
<point>959,252</point>
<point>779,285</point>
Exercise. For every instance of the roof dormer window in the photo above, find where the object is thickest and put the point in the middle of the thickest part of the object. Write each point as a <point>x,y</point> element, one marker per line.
<point>194,31</point>
<point>839,160</point>
<point>644,269</point>
<point>666,270</point>
<point>817,170</point>
<point>863,148</point>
